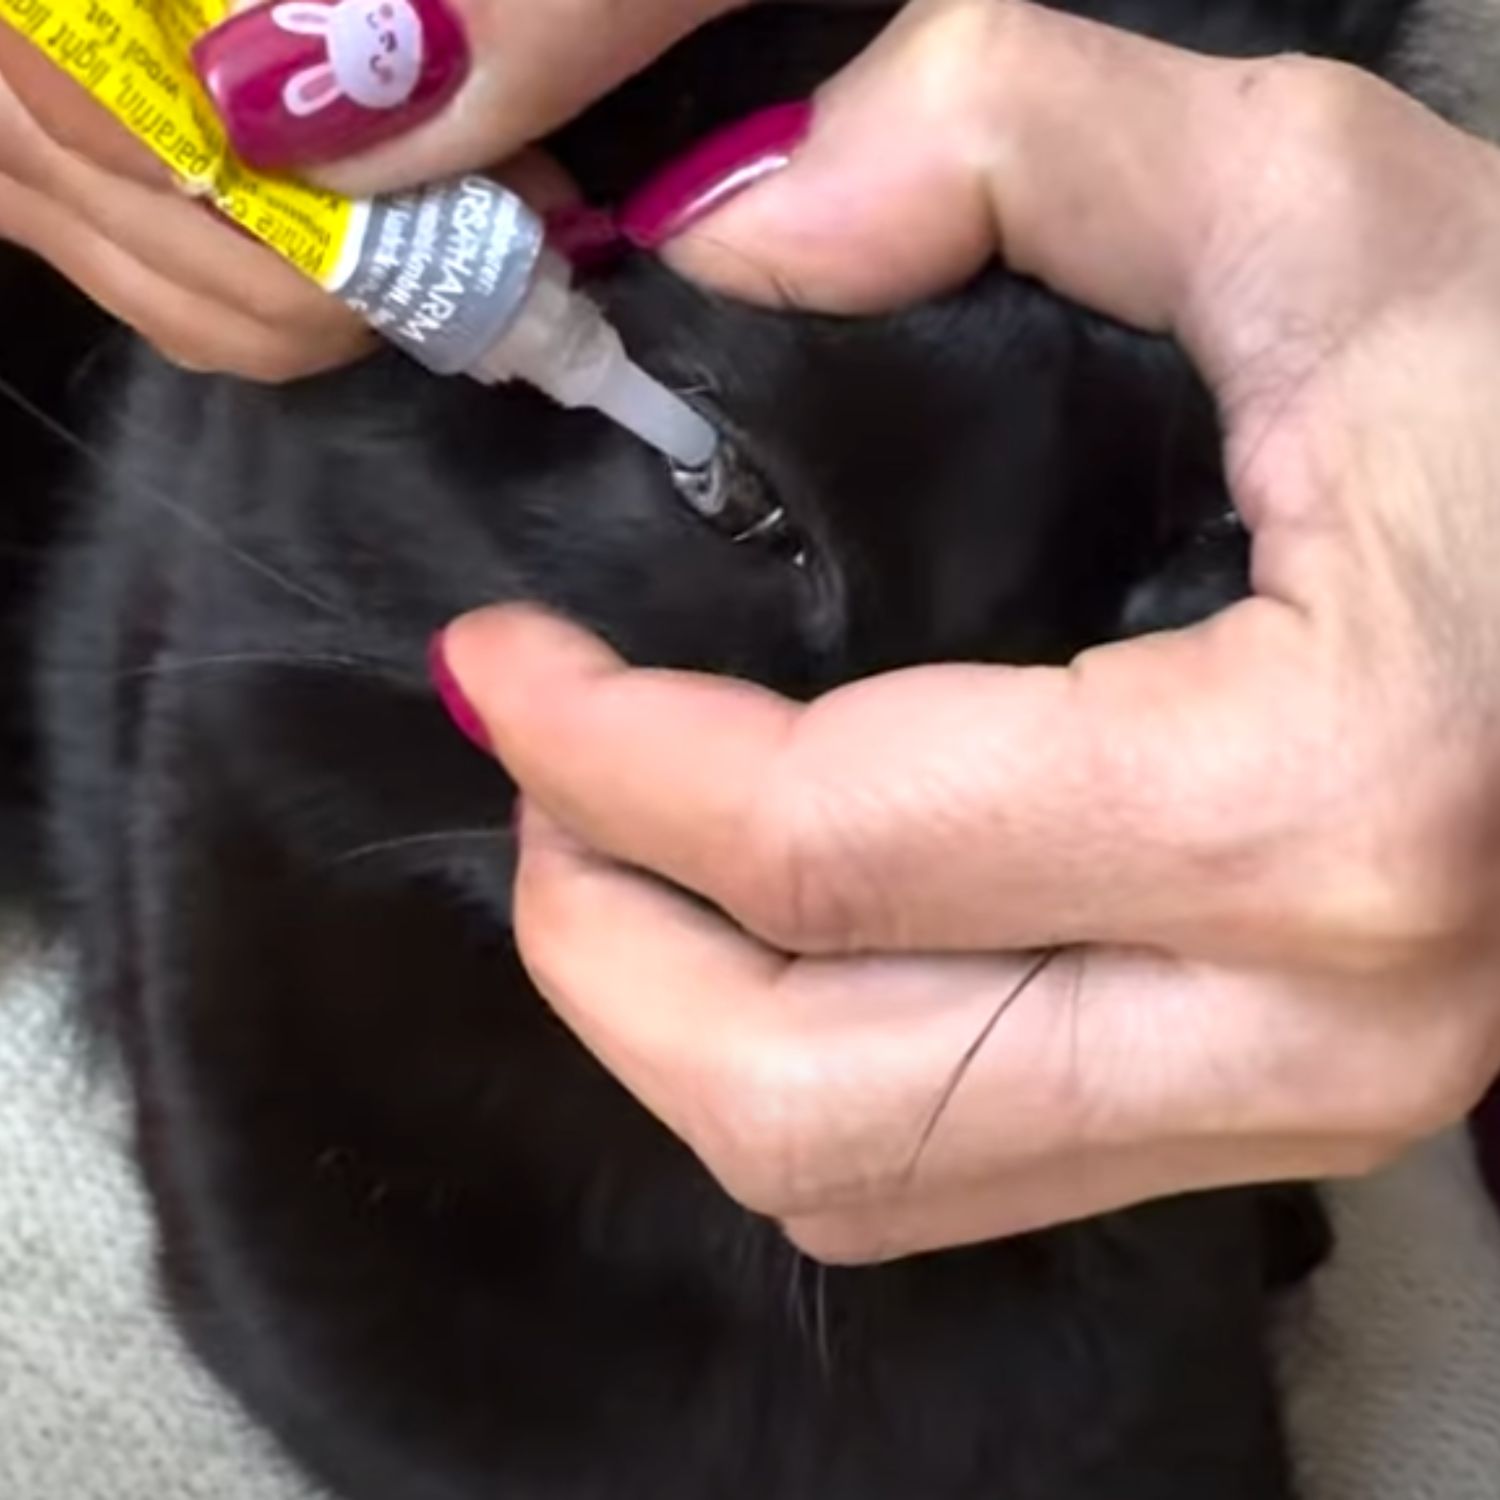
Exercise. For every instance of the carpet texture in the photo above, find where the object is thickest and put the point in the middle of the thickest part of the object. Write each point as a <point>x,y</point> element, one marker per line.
<point>1392,1355</point>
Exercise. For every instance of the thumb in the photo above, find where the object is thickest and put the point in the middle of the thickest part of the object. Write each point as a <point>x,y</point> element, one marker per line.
<point>946,807</point>
<point>969,127</point>
<point>1226,201</point>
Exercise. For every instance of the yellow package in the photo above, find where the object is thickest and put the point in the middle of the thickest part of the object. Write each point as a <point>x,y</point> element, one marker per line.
<point>132,56</point>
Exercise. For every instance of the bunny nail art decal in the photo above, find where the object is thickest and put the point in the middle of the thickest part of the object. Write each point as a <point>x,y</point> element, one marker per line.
<point>374,53</point>
<point>302,81</point>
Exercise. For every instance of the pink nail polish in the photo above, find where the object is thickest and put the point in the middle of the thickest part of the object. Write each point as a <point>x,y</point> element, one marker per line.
<point>303,81</point>
<point>460,710</point>
<point>713,172</point>
<point>588,237</point>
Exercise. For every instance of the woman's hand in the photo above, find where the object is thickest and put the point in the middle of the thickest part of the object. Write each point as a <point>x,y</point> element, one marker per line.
<point>1267,845</point>
<point>494,75</point>
<point>76,189</point>
<point>459,84</point>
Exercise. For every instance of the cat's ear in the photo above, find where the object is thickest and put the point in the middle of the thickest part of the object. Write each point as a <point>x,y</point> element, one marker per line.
<point>303,17</point>
<point>312,89</point>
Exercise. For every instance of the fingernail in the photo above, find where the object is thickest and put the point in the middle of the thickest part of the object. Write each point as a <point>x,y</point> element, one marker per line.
<point>713,172</point>
<point>588,237</point>
<point>305,81</point>
<point>460,710</point>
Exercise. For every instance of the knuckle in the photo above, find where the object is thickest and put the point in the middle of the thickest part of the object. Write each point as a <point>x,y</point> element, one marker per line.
<point>281,306</point>
<point>794,890</point>
<point>549,928</point>
<point>755,1135</point>
<point>1416,894</point>
<point>185,352</point>
<point>286,302</point>
<point>836,1240</point>
<point>1425,1058</point>
<point>250,356</point>
<point>1436,1086</point>
<point>271,359</point>
<point>1364,1155</point>
<point>952,35</point>
<point>1316,121</point>
<point>742,1157</point>
<point>1414,1106</point>
<point>956,49</point>
<point>1321,103</point>
<point>1378,921</point>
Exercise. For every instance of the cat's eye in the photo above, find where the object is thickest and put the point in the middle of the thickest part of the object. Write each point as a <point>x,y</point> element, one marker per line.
<point>733,497</point>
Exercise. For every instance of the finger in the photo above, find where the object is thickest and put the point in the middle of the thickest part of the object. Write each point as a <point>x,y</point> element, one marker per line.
<point>489,77</point>
<point>880,1106</point>
<point>184,243</point>
<point>188,245</point>
<point>189,329</point>
<point>1058,1191</point>
<point>805,1084</point>
<point>985,152</point>
<point>1199,1078</point>
<point>221,301</point>
<point>971,127</point>
<point>63,111</point>
<point>539,178</point>
<point>923,809</point>
<point>593,935</point>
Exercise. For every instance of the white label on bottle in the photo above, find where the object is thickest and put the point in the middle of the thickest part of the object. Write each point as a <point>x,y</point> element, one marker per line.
<point>440,271</point>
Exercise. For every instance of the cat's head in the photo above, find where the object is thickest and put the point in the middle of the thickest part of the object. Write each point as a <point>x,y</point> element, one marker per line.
<point>991,476</point>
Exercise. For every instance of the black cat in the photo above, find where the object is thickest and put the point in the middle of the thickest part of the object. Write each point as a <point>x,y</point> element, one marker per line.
<point>402,1214</point>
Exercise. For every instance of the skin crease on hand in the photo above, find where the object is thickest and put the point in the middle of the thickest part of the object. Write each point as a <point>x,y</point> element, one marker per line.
<point>1267,844</point>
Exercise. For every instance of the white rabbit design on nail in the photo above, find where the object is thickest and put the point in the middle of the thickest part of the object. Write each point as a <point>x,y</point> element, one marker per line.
<point>374,52</point>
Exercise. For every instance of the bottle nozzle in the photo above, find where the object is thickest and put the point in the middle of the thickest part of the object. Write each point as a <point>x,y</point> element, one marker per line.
<point>560,343</point>
<point>655,414</point>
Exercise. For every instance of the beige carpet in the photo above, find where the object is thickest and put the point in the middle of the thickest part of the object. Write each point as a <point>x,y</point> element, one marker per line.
<point>1393,1354</point>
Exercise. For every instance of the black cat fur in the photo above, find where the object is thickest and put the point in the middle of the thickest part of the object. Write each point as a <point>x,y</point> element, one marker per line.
<point>422,1237</point>
<point>52,334</point>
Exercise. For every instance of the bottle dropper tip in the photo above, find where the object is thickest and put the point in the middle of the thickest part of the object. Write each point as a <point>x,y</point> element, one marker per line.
<point>656,415</point>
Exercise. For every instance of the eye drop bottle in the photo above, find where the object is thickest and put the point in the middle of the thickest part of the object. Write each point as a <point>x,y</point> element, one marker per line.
<point>459,276</point>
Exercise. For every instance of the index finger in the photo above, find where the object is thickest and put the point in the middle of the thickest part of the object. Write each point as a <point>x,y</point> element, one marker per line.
<point>65,113</point>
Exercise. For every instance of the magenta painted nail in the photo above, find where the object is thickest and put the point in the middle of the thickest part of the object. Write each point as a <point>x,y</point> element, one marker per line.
<point>303,81</point>
<point>713,172</point>
<point>588,237</point>
<point>460,710</point>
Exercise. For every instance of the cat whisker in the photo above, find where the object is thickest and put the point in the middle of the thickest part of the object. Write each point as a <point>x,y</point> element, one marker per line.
<point>180,513</point>
<point>377,669</point>
<point>496,835</point>
<point>810,1321</point>
<point>796,1310</point>
<point>821,1341</point>
<point>311,661</point>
